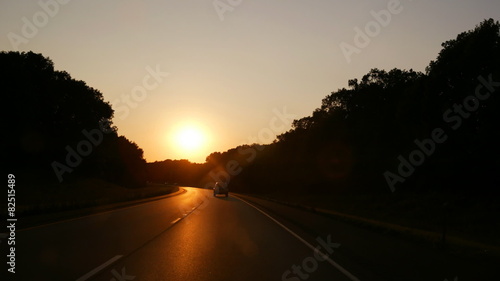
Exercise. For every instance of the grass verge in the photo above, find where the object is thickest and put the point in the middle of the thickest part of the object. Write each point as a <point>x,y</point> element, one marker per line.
<point>44,199</point>
<point>469,243</point>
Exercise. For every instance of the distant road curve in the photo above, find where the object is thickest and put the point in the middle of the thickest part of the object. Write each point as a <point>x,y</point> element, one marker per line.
<point>196,236</point>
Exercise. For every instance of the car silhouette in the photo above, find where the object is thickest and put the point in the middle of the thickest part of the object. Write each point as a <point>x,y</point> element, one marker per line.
<point>221,188</point>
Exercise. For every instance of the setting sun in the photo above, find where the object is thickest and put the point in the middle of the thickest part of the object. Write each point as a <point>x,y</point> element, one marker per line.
<point>189,139</point>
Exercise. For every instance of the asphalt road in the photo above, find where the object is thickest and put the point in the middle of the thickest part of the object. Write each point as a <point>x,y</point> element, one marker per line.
<point>194,236</point>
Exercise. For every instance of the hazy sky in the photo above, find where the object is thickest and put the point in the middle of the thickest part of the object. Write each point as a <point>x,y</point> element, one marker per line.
<point>234,66</point>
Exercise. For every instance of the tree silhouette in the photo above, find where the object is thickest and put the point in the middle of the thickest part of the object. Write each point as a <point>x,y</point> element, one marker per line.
<point>48,111</point>
<point>358,132</point>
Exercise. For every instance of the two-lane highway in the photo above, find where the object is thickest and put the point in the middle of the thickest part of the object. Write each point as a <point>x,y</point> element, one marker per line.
<point>225,239</point>
<point>195,236</point>
<point>192,236</point>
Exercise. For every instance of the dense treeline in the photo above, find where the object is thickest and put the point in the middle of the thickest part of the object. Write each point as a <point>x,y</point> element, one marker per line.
<point>394,130</point>
<point>178,172</point>
<point>391,130</point>
<point>59,129</point>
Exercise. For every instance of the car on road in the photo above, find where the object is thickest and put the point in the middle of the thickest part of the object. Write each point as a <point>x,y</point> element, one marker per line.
<point>221,188</point>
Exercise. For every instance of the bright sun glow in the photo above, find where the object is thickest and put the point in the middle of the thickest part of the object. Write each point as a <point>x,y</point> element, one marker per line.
<point>190,139</point>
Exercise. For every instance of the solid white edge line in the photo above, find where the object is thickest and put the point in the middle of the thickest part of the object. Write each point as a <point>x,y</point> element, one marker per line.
<point>327,258</point>
<point>99,268</point>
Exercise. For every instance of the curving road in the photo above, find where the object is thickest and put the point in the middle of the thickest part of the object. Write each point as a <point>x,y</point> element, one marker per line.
<point>194,236</point>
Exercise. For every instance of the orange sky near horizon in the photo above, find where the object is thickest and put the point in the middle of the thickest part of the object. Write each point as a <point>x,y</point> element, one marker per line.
<point>230,70</point>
